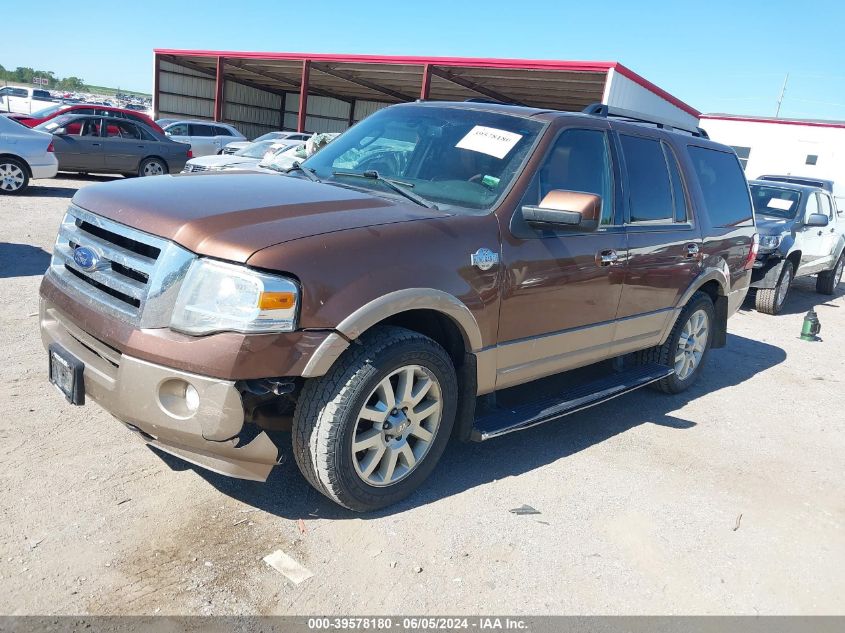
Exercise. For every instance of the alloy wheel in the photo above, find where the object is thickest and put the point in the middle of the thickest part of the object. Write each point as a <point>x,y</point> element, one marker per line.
<point>153,168</point>
<point>397,425</point>
<point>692,344</point>
<point>11,177</point>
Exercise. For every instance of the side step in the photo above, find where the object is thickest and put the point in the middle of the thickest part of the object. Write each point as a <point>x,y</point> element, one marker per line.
<point>501,420</point>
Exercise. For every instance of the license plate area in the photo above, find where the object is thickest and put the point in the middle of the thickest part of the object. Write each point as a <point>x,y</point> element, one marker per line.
<point>67,373</point>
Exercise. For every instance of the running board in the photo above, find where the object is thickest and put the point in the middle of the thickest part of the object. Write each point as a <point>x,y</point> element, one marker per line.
<point>501,421</point>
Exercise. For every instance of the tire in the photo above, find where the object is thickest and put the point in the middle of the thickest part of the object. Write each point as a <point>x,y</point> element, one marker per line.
<point>328,418</point>
<point>771,300</point>
<point>14,176</point>
<point>152,167</point>
<point>827,281</point>
<point>668,353</point>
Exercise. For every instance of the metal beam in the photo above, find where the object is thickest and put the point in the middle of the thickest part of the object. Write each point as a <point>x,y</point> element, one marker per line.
<point>280,78</point>
<point>156,83</point>
<point>202,69</point>
<point>303,95</point>
<point>466,83</point>
<point>218,91</point>
<point>425,89</point>
<point>364,83</point>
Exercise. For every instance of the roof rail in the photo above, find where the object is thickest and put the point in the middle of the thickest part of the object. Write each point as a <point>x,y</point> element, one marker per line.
<point>605,111</point>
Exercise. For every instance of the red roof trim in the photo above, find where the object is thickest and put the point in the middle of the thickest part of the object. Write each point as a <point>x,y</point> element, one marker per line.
<point>751,119</point>
<point>472,62</point>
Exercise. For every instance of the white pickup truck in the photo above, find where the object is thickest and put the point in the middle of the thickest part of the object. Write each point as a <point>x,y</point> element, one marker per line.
<point>24,100</point>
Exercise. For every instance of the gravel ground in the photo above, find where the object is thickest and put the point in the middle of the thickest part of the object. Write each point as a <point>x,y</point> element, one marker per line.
<point>727,499</point>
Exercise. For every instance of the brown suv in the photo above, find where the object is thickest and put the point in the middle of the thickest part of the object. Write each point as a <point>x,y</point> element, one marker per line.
<point>434,253</point>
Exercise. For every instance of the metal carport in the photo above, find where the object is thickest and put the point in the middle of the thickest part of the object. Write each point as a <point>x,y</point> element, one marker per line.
<point>260,92</point>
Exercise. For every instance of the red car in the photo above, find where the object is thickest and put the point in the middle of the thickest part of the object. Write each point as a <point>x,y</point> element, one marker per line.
<point>36,118</point>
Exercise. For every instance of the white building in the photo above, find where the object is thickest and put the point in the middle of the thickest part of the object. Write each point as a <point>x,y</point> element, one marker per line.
<point>796,147</point>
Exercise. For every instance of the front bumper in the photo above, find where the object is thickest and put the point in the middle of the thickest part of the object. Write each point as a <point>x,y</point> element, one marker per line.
<point>146,397</point>
<point>766,271</point>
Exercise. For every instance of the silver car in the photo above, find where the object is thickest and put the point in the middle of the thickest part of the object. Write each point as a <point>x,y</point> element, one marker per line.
<point>24,154</point>
<point>98,144</point>
<point>204,137</point>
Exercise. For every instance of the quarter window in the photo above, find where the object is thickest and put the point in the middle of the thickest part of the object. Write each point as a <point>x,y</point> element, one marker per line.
<point>221,131</point>
<point>649,188</point>
<point>723,186</point>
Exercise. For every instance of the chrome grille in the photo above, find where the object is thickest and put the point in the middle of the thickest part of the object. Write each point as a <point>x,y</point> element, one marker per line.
<point>189,168</point>
<point>136,276</point>
<point>229,150</point>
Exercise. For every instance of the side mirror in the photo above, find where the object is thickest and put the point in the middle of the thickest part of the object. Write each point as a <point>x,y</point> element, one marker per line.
<point>817,219</point>
<point>60,131</point>
<point>565,210</point>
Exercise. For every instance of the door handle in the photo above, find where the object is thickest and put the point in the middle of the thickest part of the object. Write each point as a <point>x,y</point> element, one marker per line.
<point>607,258</point>
<point>95,144</point>
<point>692,250</point>
<point>821,232</point>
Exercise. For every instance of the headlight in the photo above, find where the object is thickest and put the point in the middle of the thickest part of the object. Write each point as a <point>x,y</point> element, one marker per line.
<point>769,241</point>
<point>218,297</point>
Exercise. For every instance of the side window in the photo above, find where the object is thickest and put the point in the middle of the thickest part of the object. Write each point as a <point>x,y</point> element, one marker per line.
<point>178,129</point>
<point>146,134</point>
<point>826,207</point>
<point>221,131</point>
<point>679,196</point>
<point>649,189</point>
<point>812,205</point>
<point>201,130</point>
<point>578,161</point>
<point>723,186</point>
<point>122,129</point>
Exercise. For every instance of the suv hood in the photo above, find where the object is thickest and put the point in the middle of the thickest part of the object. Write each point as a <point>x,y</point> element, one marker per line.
<point>767,225</point>
<point>232,215</point>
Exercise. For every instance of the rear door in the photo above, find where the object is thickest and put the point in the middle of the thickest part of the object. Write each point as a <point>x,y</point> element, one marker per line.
<point>123,146</point>
<point>664,240</point>
<point>203,142</point>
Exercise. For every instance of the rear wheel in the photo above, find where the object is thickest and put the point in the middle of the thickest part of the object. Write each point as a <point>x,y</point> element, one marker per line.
<point>687,347</point>
<point>771,300</point>
<point>14,177</point>
<point>152,167</point>
<point>827,281</point>
<point>370,431</point>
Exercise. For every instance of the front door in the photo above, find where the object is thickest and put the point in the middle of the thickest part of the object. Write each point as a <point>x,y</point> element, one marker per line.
<point>664,243</point>
<point>81,149</point>
<point>815,245</point>
<point>562,288</point>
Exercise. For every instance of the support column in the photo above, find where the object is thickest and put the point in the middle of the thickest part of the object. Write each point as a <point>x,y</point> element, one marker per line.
<point>352,112</point>
<point>426,82</point>
<point>303,95</point>
<point>156,84</point>
<point>218,91</point>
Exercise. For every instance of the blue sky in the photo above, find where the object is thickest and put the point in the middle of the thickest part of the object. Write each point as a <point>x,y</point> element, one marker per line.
<point>718,56</point>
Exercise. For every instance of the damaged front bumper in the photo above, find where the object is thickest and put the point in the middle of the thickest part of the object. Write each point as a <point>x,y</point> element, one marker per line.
<point>196,418</point>
<point>766,271</point>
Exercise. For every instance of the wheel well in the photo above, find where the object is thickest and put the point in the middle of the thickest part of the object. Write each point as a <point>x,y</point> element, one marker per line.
<point>20,160</point>
<point>713,289</point>
<point>795,258</point>
<point>435,325</point>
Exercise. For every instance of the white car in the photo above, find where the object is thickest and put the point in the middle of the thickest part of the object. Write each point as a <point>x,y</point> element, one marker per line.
<point>204,137</point>
<point>247,156</point>
<point>24,154</point>
<point>285,158</point>
<point>291,138</point>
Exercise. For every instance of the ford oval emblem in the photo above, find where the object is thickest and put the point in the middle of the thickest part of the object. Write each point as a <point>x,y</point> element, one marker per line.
<point>86,258</point>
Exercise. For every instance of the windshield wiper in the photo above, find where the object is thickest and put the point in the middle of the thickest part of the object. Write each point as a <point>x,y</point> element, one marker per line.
<point>397,185</point>
<point>305,170</point>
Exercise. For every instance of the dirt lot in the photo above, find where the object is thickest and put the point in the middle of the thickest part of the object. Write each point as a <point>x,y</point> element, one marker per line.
<point>640,498</point>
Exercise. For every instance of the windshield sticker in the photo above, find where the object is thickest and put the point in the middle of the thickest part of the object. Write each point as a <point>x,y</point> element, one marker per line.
<point>489,140</point>
<point>780,203</point>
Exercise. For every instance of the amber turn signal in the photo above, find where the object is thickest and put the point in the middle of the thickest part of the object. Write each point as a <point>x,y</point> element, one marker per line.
<point>276,300</point>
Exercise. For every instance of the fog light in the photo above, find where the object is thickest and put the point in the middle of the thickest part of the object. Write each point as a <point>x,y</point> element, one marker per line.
<point>192,398</point>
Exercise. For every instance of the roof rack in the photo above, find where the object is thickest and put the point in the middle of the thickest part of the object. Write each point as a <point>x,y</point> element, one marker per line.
<point>605,111</point>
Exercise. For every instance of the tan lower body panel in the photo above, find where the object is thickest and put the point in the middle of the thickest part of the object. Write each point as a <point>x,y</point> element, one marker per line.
<point>146,396</point>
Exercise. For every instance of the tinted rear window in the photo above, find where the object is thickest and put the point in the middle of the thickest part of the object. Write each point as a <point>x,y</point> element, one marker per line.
<point>723,185</point>
<point>649,191</point>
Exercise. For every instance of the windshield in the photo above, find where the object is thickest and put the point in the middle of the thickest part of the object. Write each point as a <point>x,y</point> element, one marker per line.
<point>775,201</point>
<point>255,150</point>
<point>284,158</point>
<point>451,156</point>
<point>270,136</point>
<point>48,111</point>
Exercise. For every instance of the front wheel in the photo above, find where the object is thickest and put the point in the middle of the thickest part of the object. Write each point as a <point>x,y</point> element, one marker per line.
<point>370,431</point>
<point>771,300</point>
<point>827,281</point>
<point>152,167</point>
<point>14,177</point>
